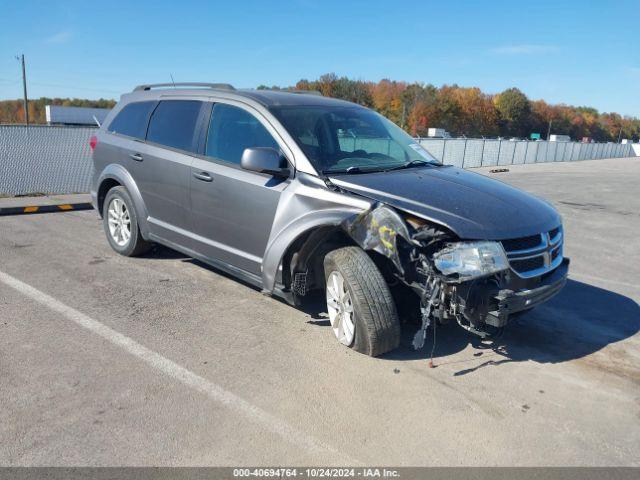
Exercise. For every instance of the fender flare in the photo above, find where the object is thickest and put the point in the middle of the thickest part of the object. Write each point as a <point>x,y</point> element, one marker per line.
<point>375,229</point>
<point>278,247</point>
<point>120,174</point>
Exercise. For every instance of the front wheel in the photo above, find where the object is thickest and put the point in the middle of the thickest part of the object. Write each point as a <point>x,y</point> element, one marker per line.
<point>361,309</point>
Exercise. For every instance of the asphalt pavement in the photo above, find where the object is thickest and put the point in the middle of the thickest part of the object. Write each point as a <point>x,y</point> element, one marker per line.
<point>160,360</point>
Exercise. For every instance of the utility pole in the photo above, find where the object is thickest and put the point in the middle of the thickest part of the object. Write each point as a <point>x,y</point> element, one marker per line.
<point>24,90</point>
<point>620,135</point>
<point>549,130</point>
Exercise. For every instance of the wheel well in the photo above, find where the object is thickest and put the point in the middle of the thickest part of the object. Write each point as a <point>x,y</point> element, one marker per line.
<point>307,253</point>
<point>105,186</point>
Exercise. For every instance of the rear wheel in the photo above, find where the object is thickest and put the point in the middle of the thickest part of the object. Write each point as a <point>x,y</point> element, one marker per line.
<point>360,306</point>
<point>121,224</point>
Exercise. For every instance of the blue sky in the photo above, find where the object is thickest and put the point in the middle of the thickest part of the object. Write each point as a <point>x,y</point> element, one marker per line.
<point>574,52</point>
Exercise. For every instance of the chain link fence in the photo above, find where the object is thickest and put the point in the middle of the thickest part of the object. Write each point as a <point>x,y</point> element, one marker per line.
<point>473,152</point>
<point>44,159</point>
<point>57,159</point>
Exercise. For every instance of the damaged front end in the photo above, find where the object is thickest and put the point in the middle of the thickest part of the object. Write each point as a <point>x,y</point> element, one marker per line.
<point>470,282</point>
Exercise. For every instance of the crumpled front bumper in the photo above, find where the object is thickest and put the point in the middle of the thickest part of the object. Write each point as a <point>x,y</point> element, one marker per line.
<point>508,302</point>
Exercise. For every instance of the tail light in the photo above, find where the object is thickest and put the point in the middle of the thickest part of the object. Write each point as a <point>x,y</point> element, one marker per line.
<point>93,142</point>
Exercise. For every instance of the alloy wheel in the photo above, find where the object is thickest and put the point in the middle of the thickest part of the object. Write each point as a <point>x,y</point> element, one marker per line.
<point>119,222</point>
<point>340,308</point>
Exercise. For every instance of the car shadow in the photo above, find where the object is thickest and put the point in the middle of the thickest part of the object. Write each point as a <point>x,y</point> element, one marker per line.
<point>160,252</point>
<point>579,321</point>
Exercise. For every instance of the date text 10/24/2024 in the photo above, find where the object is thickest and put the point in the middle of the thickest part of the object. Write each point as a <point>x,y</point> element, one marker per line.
<point>316,472</point>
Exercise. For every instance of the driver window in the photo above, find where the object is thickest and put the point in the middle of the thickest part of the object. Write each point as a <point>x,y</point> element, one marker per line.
<point>231,130</point>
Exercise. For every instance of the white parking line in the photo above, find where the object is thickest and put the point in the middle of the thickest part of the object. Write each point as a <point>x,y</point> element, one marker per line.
<point>168,367</point>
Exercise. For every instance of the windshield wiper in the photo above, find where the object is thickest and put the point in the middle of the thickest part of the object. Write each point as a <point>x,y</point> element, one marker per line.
<point>413,163</point>
<point>353,169</point>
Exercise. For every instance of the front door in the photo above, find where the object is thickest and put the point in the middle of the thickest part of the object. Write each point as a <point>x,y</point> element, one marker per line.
<point>232,209</point>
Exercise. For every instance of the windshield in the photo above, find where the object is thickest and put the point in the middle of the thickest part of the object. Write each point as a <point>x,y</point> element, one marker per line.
<point>351,139</point>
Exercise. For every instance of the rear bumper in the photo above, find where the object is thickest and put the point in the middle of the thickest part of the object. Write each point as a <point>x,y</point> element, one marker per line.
<point>508,302</point>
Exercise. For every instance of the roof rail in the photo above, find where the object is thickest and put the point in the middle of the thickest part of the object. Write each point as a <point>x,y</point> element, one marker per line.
<point>306,92</point>
<point>216,86</point>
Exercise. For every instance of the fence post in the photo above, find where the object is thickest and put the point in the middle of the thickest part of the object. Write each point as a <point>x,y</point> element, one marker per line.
<point>464,152</point>
<point>513,155</point>
<point>499,149</point>
<point>526,149</point>
<point>484,140</point>
<point>444,145</point>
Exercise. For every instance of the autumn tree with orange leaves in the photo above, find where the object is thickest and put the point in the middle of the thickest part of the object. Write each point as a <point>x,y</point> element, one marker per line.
<point>468,111</point>
<point>417,106</point>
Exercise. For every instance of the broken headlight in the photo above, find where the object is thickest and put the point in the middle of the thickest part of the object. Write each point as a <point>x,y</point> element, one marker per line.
<point>471,259</point>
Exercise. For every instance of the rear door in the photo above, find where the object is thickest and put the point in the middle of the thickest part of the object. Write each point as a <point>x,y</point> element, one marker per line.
<point>162,167</point>
<point>233,209</point>
<point>127,132</point>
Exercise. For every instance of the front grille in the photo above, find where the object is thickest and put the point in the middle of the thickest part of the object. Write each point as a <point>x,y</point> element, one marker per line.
<point>523,243</point>
<point>535,255</point>
<point>528,264</point>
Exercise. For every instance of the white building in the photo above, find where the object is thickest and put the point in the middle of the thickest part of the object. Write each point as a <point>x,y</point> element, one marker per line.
<point>57,115</point>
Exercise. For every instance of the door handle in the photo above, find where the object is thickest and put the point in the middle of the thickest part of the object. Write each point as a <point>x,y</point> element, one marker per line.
<point>204,176</point>
<point>135,156</point>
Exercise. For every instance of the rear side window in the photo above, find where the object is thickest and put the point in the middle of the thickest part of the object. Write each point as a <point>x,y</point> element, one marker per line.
<point>132,119</point>
<point>173,124</point>
<point>231,130</point>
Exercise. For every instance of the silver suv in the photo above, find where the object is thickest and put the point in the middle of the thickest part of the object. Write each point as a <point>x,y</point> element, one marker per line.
<point>295,193</point>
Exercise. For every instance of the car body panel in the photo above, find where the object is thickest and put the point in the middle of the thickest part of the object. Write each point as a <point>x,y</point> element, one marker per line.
<point>471,205</point>
<point>163,178</point>
<point>305,204</point>
<point>233,213</point>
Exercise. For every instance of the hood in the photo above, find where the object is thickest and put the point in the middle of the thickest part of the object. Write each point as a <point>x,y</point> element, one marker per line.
<point>471,205</point>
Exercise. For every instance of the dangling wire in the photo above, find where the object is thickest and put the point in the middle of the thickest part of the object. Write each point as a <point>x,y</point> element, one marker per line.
<point>433,347</point>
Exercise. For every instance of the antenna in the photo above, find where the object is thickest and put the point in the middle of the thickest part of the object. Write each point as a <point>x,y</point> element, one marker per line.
<point>172,80</point>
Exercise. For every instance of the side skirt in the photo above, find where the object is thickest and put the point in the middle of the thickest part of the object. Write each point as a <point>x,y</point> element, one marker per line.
<point>232,270</point>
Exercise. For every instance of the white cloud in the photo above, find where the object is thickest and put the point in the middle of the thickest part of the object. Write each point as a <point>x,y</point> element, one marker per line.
<point>527,49</point>
<point>58,38</point>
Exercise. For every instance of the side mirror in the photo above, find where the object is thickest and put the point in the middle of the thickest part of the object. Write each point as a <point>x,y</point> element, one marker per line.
<point>265,160</point>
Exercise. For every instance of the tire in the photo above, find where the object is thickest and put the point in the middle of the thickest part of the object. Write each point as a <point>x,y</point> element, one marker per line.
<point>374,315</point>
<point>134,244</point>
